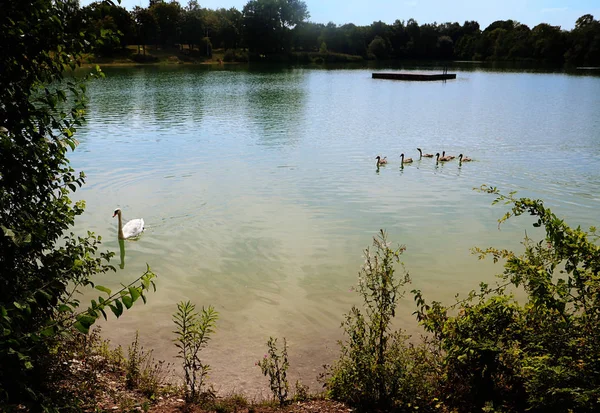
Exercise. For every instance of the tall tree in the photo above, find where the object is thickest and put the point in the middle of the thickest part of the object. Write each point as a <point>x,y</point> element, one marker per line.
<point>268,24</point>
<point>146,27</point>
<point>102,16</point>
<point>168,16</point>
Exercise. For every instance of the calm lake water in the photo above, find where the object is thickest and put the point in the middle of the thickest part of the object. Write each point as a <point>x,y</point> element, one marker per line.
<point>259,191</point>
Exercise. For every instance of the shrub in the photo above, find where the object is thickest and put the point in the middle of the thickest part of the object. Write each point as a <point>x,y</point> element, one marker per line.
<point>232,55</point>
<point>144,58</point>
<point>42,265</point>
<point>275,366</point>
<point>538,355</point>
<point>302,392</point>
<point>378,48</point>
<point>143,372</point>
<point>192,335</point>
<point>370,367</point>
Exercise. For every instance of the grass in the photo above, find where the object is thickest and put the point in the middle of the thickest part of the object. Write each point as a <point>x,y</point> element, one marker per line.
<point>175,55</point>
<point>157,56</point>
<point>94,377</point>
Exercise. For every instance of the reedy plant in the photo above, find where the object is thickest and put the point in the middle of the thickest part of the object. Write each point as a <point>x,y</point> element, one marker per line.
<point>192,335</point>
<point>275,366</point>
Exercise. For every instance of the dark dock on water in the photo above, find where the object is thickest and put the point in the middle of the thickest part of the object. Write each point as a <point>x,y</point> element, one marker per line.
<point>415,76</point>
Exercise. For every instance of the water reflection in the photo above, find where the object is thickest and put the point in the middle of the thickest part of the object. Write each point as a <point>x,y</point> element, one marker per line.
<point>122,253</point>
<point>273,248</point>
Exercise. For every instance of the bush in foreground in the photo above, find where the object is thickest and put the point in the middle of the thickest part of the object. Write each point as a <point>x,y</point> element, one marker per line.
<point>489,351</point>
<point>43,266</point>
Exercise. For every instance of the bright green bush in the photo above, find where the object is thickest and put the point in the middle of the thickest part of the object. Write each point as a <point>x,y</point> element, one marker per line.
<point>539,354</point>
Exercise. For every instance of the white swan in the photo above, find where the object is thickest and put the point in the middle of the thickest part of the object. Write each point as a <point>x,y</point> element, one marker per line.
<point>132,229</point>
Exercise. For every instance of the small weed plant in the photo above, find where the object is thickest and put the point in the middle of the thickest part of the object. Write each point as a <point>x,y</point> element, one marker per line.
<point>275,364</point>
<point>143,372</point>
<point>192,335</point>
<point>302,392</point>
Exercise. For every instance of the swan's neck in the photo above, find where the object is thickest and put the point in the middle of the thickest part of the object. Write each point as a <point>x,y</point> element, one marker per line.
<point>120,226</point>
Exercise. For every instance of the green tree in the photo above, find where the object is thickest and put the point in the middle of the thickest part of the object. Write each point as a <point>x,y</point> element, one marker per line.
<point>378,48</point>
<point>399,38</point>
<point>231,28</point>
<point>192,27</point>
<point>584,42</point>
<point>306,36</point>
<point>445,47</point>
<point>548,43</point>
<point>146,27</point>
<point>42,264</point>
<point>168,16</point>
<point>268,24</point>
<point>102,16</point>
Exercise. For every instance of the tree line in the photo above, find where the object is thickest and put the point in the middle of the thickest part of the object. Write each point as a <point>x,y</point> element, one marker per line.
<point>278,27</point>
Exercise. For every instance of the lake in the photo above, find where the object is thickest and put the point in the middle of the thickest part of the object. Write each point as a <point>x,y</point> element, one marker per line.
<point>260,191</point>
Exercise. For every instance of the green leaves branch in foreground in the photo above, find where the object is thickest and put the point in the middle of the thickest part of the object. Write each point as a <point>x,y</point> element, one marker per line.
<point>42,265</point>
<point>192,335</point>
<point>275,365</point>
<point>536,354</point>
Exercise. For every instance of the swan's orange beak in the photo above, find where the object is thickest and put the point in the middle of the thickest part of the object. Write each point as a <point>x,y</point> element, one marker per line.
<point>114,215</point>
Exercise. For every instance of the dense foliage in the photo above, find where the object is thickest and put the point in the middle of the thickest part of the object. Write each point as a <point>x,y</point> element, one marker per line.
<point>42,265</point>
<point>280,26</point>
<point>490,351</point>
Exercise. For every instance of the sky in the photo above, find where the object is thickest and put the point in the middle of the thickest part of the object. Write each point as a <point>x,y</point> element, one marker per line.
<point>562,13</point>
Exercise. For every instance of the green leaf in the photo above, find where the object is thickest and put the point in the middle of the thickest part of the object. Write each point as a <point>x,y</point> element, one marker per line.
<point>127,301</point>
<point>63,308</point>
<point>86,319</point>
<point>81,328</point>
<point>48,332</point>
<point>135,294</point>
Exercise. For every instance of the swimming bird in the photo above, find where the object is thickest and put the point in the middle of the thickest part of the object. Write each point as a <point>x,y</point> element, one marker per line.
<point>407,160</point>
<point>132,229</point>
<point>381,161</point>
<point>464,159</point>
<point>449,157</point>
<point>426,155</point>
<point>442,159</point>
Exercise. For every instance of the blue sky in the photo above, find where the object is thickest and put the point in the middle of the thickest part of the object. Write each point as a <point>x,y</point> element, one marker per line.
<point>363,12</point>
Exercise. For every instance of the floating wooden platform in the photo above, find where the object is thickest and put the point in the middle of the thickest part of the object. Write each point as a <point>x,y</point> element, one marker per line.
<point>415,76</point>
